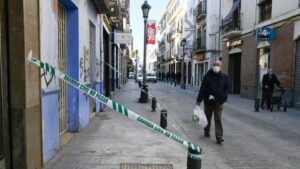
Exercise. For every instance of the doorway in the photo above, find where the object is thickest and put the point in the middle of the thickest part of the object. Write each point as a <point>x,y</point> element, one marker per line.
<point>190,73</point>
<point>92,63</point>
<point>62,60</point>
<point>106,72</point>
<point>235,61</point>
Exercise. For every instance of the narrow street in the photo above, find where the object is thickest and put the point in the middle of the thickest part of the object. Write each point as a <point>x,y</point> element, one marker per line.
<point>261,140</point>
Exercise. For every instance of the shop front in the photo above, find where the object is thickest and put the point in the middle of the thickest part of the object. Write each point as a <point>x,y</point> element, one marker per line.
<point>200,67</point>
<point>234,65</point>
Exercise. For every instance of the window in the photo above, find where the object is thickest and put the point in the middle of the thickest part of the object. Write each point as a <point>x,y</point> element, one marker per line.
<point>265,10</point>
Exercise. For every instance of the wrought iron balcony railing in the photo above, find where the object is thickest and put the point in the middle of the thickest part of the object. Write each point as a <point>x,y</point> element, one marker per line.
<point>201,9</point>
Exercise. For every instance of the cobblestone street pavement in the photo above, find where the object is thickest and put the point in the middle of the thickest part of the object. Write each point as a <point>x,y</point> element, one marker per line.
<point>261,140</point>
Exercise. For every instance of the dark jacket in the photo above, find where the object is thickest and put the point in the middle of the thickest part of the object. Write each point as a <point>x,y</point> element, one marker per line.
<point>268,83</point>
<point>213,84</point>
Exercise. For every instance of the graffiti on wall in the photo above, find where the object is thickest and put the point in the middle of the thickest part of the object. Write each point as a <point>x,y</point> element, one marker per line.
<point>47,79</point>
<point>97,68</point>
<point>85,66</point>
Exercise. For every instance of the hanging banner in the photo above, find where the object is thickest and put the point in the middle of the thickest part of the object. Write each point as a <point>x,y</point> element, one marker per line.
<point>151,32</point>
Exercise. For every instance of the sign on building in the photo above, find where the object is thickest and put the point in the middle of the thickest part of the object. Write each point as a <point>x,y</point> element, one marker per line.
<point>265,34</point>
<point>123,38</point>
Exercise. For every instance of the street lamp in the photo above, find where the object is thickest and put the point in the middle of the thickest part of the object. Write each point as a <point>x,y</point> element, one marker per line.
<point>144,93</point>
<point>183,43</point>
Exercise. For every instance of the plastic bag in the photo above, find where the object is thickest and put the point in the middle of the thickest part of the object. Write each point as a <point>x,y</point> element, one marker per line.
<point>199,116</point>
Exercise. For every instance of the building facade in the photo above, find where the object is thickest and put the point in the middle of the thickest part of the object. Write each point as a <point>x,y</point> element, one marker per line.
<point>207,44</point>
<point>176,24</point>
<point>75,36</point>
<point>258,36</point>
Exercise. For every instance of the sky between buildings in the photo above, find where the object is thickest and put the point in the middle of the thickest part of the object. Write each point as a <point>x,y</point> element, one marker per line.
<point>137,21</point>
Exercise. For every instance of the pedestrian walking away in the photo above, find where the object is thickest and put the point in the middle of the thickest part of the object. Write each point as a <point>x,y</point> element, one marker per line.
<point>268,83</point>
<point>168,77</point>
<point>163,76</point>
<point>178,77</point>
<point>214,91</point>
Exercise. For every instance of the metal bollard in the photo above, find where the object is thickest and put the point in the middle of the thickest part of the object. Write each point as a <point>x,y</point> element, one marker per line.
<point>163,119</point>
<point>256,105</point>
<point>194,160</point>
<point>153,106</point>
<point>140,84</point>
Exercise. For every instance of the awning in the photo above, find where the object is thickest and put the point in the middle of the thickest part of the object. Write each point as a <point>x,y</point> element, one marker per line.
<point>233,9</point>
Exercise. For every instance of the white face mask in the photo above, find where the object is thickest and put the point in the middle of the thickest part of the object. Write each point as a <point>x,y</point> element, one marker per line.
<point>216,69</point>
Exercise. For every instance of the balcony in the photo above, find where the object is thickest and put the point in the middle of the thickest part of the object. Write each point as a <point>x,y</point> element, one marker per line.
<point>201,44</point>
<point>101,6</point>
<point>231,27</point>
<point>201,10</point>
<point>231,24</point>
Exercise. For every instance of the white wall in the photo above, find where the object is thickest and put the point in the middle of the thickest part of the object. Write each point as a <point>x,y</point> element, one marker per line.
<point>87,14</point>
<point>212,25</point>
<point>49,39</point>
<point>297,30</point>
<point>189,26</point>
<point>280,7</point>
<point>248,15</point>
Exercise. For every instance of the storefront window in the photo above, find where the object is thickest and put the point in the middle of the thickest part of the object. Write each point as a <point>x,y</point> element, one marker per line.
<point>264,61</point>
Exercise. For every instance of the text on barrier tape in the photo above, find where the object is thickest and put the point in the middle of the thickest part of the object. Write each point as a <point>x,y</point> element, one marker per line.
<point>112,104</point>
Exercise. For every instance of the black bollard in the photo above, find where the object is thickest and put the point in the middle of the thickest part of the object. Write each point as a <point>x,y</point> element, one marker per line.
<point>144,94</point>
<point>163,119</point>
<point>153,106</point>
<point>194,160</point>
<point>256,105</point>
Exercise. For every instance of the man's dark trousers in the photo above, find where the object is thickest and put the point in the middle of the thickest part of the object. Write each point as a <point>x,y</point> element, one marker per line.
<point>267,96</point>
<point>211,108</point>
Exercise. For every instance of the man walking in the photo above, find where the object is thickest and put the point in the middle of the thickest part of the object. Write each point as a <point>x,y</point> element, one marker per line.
<point>178,77</point>
<point>214,91</point>
<point>268,82</point>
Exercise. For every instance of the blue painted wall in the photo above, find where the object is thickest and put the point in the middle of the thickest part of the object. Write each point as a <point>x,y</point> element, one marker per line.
<point>72,63</point>
<point>84,110</point>
<point>50,117</point>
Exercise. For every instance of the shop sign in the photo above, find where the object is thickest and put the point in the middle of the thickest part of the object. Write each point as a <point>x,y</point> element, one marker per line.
<point>233,44</point>
<point>123,38</point>
<point>265,34</point>
<point>200,56</point>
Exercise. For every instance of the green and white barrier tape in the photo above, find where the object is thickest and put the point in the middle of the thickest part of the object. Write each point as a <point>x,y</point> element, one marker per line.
<point>112,104</point>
